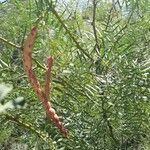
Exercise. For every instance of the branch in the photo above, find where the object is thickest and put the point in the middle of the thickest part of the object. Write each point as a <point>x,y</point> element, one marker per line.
<point>109,124</point>
<point>71,36</point>
<point>97,47</point>
<point>39,64</point>
<point>9,43</point>
<point>29,126</point>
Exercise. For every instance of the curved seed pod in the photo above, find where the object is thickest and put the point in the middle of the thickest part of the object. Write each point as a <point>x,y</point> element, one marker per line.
<point>42,95</point>
<point>27,58</point>
<point>48,75</point>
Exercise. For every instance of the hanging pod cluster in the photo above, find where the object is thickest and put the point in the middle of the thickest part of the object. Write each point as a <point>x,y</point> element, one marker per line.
<point>41,92</point>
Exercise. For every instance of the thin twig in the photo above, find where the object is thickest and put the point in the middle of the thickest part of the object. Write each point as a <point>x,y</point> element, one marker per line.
<point>121,30</point>
<point>39,64</point>
<point>9,43</point>
<point>71,36</point>
<point>105,117</point>
<point>32,128</point>
<point>97,46</point>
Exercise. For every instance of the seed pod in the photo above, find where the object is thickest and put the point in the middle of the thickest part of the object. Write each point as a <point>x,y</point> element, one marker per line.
<point>48,75</point>
<point>42,95</point>
<point>52,111</point>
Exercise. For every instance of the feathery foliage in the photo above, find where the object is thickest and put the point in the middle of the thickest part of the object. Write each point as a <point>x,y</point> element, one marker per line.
<point>100,76</point>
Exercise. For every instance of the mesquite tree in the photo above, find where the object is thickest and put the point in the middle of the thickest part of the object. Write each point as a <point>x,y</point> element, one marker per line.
<point>82,67</point>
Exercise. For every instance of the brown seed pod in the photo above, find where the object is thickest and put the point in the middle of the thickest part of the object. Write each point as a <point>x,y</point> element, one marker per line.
<point>42,95</point>
<point>48,75</point>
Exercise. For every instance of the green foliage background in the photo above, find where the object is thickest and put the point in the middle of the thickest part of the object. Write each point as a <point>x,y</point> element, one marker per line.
<point>100,81</point>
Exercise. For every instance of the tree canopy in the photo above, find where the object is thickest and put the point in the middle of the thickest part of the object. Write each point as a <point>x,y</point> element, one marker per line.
<point>100,75</point>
